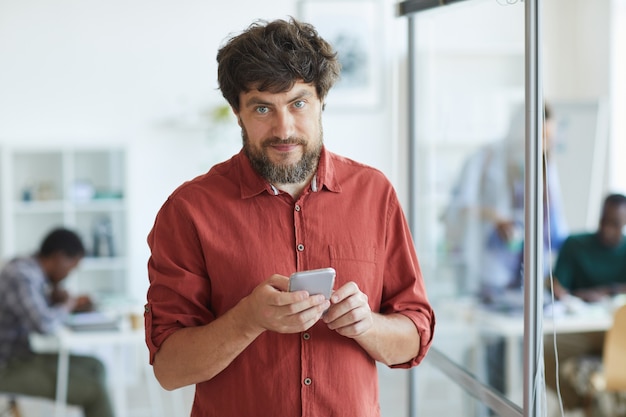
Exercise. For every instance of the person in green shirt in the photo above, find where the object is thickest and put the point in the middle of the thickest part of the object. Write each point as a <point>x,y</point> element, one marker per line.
<point>592,266</point>
<point>589,267</point>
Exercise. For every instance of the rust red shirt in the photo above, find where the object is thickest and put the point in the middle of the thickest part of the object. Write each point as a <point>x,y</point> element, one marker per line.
<point>223,233</point>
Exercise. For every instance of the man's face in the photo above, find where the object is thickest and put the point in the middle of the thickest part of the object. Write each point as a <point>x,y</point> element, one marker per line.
<point>62,266</point>
<point>612,224</point>
<point>282,132</point>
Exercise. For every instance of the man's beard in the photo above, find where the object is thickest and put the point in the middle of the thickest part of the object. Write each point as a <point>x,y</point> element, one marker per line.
<point>283,173</point>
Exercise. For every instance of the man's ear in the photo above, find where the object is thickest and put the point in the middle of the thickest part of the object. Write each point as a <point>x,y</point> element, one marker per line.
<point>236,113</point>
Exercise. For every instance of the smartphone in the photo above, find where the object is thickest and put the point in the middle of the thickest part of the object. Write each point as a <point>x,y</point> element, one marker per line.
<point>315,281</point>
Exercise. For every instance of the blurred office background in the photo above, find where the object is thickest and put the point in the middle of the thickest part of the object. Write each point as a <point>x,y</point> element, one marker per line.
<point>106,107</point>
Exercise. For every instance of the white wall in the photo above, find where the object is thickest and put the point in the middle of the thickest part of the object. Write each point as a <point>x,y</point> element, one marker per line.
<point>617,176</point>
<point>584,60</point>
<point>576,48</point>
<point>116,72</point>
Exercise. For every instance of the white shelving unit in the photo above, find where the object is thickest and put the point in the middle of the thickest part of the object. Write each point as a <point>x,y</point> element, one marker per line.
<point>79,188</point>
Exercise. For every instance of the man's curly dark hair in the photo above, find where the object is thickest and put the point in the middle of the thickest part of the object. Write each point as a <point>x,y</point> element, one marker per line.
<point>273,56</point>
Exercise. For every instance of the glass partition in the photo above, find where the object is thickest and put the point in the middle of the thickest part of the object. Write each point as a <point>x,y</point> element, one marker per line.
<point>469,184</point>
<point>476,181</point>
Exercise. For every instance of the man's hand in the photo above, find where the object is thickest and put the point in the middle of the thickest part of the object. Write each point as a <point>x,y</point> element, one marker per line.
<point>195,354</point>
<point>350,314</point>
<point>58,295</point>
<point>390,339</point>
<point>82,303</point>
<point>74,304</point>
<point>505,229</point>
<point>271,307</point>
<point>593,295</point>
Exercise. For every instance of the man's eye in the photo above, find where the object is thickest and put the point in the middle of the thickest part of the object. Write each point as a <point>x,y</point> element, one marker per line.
<point>262,109</point>
<point>299,104</point>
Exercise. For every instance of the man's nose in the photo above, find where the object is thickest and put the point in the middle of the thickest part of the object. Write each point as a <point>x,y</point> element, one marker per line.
<point>284,124</point>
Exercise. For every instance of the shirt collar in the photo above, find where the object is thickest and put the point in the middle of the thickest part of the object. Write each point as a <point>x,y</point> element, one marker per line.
<point>252,183</point>
<point>326,174</point>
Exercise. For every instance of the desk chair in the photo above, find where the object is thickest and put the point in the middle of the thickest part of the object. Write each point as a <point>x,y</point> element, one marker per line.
<point>614,354</point>
<point>602,380</point>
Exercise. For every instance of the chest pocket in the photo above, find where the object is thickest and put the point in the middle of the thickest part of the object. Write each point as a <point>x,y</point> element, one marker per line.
<point>358,264</point>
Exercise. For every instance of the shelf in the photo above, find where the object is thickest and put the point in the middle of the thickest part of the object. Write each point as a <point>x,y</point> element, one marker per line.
<point>39,207</point>
<point>99,204</point>
<point>82,189</point>
<point>93,263</point>
<point>52,206</point>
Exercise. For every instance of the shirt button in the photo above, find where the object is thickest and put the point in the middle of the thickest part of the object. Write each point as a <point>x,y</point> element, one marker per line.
<point>300,247</point>
<point>307,381</point>
<point>306,336</point>
<point>298,207</point>
<point>146,309</point>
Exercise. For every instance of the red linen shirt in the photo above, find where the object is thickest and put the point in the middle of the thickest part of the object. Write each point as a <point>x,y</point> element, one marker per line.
<point>223,233</point>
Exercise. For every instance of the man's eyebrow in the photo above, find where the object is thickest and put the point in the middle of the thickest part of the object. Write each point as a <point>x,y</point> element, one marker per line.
<point>257,101</point>
<point>302,94</point>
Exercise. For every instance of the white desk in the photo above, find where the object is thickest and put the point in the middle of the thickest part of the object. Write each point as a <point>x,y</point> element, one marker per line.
<point>66,340</point>
<point>587,318</point>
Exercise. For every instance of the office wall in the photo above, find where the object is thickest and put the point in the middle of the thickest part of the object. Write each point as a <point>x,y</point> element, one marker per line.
<point>576,48</point>
<point>582,54</point>
<point>617,168</point>
<point>140,74</point>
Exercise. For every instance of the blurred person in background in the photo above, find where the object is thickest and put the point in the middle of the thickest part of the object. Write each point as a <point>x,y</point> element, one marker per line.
<point>484,221</point>
<point>32,300</point>
<point>484,224</point>
<point>590,267</point>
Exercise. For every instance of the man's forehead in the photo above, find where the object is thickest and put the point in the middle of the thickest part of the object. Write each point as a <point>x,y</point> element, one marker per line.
<point>299,90</point>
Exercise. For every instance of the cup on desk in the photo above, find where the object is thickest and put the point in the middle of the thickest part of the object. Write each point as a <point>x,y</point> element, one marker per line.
<point>136,321</point>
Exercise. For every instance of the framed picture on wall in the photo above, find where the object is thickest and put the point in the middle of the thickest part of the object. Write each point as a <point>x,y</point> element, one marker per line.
<point>353,28</point>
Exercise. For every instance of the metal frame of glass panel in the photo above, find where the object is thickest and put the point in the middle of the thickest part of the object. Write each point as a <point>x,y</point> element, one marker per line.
<point>533,213</point>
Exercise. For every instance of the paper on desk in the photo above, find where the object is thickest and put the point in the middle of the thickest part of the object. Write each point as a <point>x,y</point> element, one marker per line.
<point>93,320</point>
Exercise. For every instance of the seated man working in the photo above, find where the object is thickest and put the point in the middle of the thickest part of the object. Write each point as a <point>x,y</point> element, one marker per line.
<point>590,266</point>
<point>32,300</point>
